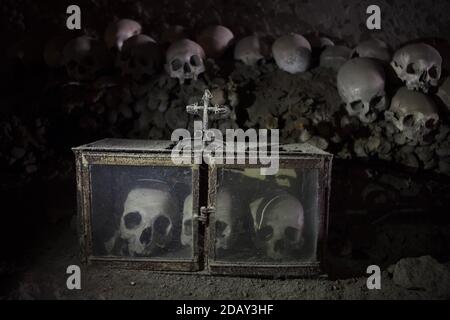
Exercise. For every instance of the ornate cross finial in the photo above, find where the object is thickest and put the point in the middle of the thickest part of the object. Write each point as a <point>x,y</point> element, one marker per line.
<point>223,111</point>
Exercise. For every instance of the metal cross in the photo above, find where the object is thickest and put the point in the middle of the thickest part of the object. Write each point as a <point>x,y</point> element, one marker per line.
<point>203,110</point>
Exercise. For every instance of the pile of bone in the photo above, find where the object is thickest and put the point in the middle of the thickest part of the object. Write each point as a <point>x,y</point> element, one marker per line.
<point>406,127</point>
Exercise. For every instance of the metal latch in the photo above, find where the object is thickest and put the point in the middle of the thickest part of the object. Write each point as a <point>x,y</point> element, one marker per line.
<point>204,213</point>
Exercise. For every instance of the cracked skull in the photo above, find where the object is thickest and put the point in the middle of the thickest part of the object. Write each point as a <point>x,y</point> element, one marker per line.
<point>360,83</point>
<point>148,221</point>
<point>412,113</point>
<point>184,60</point>
<point>140,58</point>
<point>278,222</point>
<point>419,65</point>
<point>292,53</point>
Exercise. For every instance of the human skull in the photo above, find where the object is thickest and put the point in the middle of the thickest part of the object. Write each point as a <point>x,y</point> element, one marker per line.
<point>187,225</point>
<point>83,58</point>
<point>372,48</point>
<point>215,40</point>
<point>248,50</point>
<point>419,65</point>
<point>117,32</point>
<point>229,219</point>
<point>292,53</point>
<point>140,58</point>
<point>278,222</point>
<point>360,83</point>
<point>412,113</point>
<point>334,57</point>
<point>148,221</point>
<point>184,60</point>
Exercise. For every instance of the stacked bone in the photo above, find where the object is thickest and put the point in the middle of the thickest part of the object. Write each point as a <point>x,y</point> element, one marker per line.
<point>277,86</point>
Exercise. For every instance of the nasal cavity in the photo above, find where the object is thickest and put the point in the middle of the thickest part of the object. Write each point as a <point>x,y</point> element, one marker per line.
<point>187,68</point>
<point>146,236</point>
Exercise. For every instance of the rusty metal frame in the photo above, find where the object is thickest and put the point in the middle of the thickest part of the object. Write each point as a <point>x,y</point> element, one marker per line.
<point>292,269</point>
<point>84,160</point>
<point>204,178</point>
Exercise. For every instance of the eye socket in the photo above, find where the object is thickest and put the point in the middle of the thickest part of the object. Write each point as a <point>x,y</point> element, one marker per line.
<point>176,64</point>
<point>220,228</point>
<point>375,101</point>
<point>433,72</point>
<point>410,68</point>
<point>292,234</point>
<point>408,120</point>
<point>161,224</point>
<point>132,220</point>
<point>430,124</point>
<point>265,233</point>
<point>187,227</point>
<point>357,105</point>
<point>89,61</point>
<point>195,60</point>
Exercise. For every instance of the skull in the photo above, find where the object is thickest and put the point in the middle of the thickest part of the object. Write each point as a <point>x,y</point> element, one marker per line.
<point>278,222</point>
<point>412,113</point>
<point>140,58</point>
<point>334,57</point>
<point>148,221</point>
<point>248,50</point>
<point>184,60</point>
<point>117,32</point>
<point>83,58</point>
<point>292,53</point>
<point>187,225</point>
<point>373,48</point>
<point>215,40</point>
<point>229,219</point>
<point>419,65</point>
<point>360,83</point>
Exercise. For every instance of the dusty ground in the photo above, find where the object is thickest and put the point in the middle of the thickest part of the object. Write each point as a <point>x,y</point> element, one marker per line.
<point>44,277</point>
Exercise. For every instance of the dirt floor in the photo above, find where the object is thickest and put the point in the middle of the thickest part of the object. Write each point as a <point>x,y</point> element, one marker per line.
<point>44,277</point>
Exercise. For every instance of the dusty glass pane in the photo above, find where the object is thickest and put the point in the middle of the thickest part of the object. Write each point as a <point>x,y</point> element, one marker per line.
<point>266,219</point>
<point>138,211</point>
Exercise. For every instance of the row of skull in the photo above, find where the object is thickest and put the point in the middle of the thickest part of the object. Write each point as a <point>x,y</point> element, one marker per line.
<point>151,217</point>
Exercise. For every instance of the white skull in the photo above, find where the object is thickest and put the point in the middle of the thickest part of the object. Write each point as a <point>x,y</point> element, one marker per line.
<point>117,32</point>
<point>140,58</point>
<point>215,40</point>
<point>187,224</point>
<point>184,60</point>
<point>84,57</point>
<point>360,83</point>
<point>148,221</point>
<point>412,113</point>
<point>248,50</point>
<point>419,65</point>
<point>292,53</point>
<point>373,48</point>
<point>229,219</point>
<point>278,223</point>
<point>334,57</point>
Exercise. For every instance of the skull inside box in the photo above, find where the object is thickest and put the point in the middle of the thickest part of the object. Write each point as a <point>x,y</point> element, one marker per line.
<point>137,209</point>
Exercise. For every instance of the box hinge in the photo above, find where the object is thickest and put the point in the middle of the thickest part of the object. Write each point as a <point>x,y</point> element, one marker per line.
<point>204,213</point>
